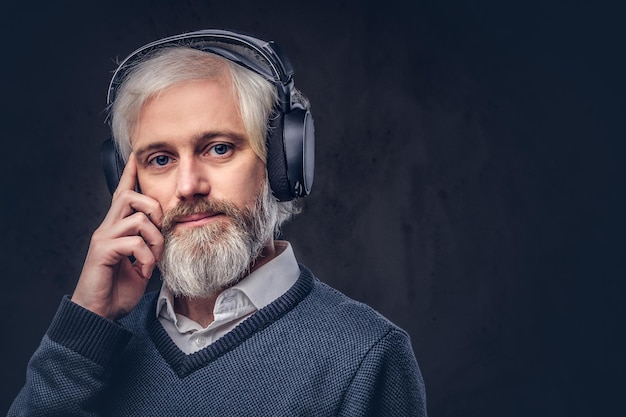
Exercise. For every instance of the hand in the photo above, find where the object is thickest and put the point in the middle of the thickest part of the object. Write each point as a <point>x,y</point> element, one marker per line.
<point>110,284</point>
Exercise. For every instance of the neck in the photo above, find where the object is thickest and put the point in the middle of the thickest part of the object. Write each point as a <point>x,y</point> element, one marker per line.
<point>200,310</point>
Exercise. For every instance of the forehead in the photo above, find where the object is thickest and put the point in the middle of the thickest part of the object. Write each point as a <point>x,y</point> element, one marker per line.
<point>189,108</point>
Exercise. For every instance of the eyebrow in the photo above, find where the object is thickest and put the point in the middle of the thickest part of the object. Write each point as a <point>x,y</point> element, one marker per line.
<point>196,140</point>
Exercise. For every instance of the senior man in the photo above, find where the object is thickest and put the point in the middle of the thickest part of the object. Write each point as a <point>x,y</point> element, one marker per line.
<point>217,145</point>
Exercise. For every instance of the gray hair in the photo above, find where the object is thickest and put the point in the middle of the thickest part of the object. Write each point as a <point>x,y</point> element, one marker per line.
<point>172,65</point>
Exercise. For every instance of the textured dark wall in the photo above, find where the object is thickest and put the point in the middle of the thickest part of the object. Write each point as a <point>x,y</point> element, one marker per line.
<point>469,179</point>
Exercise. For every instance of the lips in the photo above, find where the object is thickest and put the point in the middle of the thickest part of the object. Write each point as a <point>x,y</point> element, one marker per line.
<point>197,219</point>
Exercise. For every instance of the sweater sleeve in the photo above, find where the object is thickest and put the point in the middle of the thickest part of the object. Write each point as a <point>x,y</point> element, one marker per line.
<point>67,375</point>
<point>388,381</point>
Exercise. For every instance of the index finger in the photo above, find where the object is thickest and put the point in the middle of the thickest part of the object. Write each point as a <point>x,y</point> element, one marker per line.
<point>128,180</point>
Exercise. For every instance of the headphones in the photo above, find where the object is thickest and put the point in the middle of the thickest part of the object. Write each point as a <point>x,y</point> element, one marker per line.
<point>291,137</point>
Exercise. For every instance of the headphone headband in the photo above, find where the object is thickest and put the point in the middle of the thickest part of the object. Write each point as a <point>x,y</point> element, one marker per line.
<point>278,71</point>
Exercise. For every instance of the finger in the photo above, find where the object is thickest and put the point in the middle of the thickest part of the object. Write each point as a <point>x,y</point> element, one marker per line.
<point>138,224</point>
<point>128,180</point>
<point>131,200</point>
<point>128,202</point>
<point>150,207</point>
<point>155,241</point>
<point>136,247</point>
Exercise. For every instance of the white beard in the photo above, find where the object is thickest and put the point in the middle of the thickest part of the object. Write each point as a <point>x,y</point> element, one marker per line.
<point>201,261</point>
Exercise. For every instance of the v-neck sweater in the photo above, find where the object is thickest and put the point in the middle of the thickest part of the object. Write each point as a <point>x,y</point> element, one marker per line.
<point>313,351</point>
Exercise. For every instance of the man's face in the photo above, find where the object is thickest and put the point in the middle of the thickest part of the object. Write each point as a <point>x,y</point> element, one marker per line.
<point>194,158</point>
<point>190,144</point>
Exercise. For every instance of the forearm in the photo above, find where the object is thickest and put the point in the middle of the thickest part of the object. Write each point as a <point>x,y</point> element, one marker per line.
<point>68,373</point>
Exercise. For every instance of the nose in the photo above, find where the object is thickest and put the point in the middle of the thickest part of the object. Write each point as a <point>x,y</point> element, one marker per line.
<point>192,180</point>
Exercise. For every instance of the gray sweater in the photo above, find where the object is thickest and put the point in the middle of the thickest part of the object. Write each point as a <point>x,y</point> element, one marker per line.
<point>312,352</point>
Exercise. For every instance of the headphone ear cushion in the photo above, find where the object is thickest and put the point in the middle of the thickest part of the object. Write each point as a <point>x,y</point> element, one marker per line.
<point>276,161</point>
<point>112,164</point>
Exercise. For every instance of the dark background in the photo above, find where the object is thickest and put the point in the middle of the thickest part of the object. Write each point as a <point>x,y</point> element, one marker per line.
<point>469,180</point>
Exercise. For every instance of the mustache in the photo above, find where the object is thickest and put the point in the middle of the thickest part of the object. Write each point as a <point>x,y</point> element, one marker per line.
<point>187,208</point>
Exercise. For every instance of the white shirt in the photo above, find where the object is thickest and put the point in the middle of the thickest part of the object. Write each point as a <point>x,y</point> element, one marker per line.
<point>233,305</point>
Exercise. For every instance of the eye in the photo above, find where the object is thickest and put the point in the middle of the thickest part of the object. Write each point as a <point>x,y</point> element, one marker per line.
<point>160,160</point>
<point>220,149</point>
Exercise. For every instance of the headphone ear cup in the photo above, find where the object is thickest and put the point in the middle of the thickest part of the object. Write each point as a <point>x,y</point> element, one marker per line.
<point>112,164</point>
<point>299,138</point>
<point>291,154</point>
<point>276,161</point>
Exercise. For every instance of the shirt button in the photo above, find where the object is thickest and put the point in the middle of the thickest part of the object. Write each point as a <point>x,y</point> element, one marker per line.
<point>200,341</point>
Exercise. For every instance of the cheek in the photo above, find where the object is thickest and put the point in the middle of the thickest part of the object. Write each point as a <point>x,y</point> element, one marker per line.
<point>156,188</point>
<point>258,176</point>
<point>245,188</point>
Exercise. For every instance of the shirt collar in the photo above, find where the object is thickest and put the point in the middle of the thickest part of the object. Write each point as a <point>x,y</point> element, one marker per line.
<point>270,281</point>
